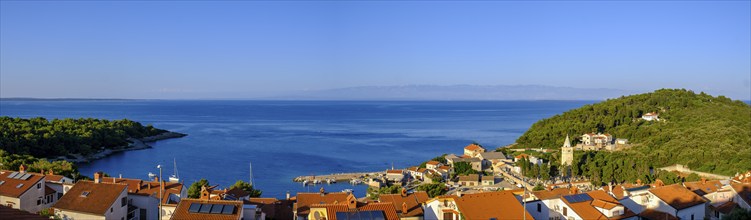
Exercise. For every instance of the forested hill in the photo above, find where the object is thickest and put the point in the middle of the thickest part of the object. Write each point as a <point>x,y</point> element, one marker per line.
<point>707,133</point>
<point>40,137</point>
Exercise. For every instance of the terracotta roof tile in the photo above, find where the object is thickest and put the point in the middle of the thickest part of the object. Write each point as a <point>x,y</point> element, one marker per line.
<point>433,162</point>
<point>182,210</point>
<point>387,208</point>
<point>499,205</point>
<point>274,208</point>
<point>703,187</point>
<point>148,188</point>
<point>15,214</point>
<point>474,147</point>
<point>601,199</point>
<point>651,214</point>
<point>549,194</point>
<point>677,196</point>
<point>99,198</point>
<point>305,200</point>
<point>413,201</point>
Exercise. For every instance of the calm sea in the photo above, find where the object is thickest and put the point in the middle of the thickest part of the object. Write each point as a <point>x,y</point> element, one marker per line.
<point>285,139</point>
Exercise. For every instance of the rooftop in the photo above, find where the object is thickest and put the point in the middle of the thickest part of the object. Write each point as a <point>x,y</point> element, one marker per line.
<point>90,197</point>
<point>487,205</point>
<point>413,202</point>
<point>208,209</point>
<point>14,184</point>
<point>677,196</point>
<point>305,200</point>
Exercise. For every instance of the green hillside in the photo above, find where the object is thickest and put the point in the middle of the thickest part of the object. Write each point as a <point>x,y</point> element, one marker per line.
<point>706,133</point>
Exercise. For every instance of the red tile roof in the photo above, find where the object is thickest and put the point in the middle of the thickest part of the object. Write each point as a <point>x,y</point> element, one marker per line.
<point>98,200</point>
<point>394,171</point>
<point>182,213</point>
<point>433,162</point>
<point>677,196</point>
<point>413,202</point>
<point>331,209</point>
<point>499,205</point>
<point>305,200</point>
<point>274,208</point>
<point>474,147</point>
<point>549,194</point>
<point>601,199</point>
<point>703,187</point>
<point>15,214</point>
<point>17,187</point>
<point>148,188</point>
<point>743,190</point>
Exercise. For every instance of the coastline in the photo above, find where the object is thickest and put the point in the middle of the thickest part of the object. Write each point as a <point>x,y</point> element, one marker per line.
<point>135,144</point>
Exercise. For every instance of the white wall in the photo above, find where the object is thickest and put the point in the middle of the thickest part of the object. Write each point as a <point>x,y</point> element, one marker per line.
<point>434,210</point>
<point>30,197</point>
<point>150,204</point>
<point>532,209</point>
<point>570,214</point>
<point>698,211</point>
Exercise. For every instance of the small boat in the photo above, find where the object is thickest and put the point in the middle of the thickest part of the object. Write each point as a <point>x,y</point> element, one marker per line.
<point>305,182</point>
<point>174,177</point>
<point>330,181</point>
<point>316,181</point>
<point>347,190</point>
<point>355,181</point>
<point>151,175</point>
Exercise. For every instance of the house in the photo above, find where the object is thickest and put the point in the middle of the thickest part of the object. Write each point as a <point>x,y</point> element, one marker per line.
<point>350,208</point>
<point>473,149</point>
<point>532,159</point>
<point>433,164</point>
<point>416,172</point>
<point>408,206</point>
<point>486,205</point>
<point>718,195</point>
<point>305,200</point>
<point>487,180</point>
<point>490,158</point>
<point>93,200</point>
<point>144,196</point>
<point>547,203</point>
<point>674,199</point>
<point>651,116</point>
<point>395,175</point>
<point>56,187</point>
<point>275,208</point>
<point>23,190</point>
<point>469,180</point>
<point>476,163</point>
<point>598,139</point>
<point>200,209</point>
<point>591,205</point>
<point>742,195</point>
<point>250,211</point>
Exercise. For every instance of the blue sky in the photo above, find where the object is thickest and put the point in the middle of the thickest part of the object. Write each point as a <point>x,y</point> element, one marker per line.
<point>198,49</point>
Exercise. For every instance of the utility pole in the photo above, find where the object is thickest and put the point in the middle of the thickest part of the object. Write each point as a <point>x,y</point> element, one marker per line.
<point>161,194</point>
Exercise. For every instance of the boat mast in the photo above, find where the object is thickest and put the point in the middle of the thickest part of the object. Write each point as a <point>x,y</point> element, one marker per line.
<point>175,162</point>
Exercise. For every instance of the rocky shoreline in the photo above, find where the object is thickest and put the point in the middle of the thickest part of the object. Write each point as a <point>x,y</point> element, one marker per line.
<point>135,144</point>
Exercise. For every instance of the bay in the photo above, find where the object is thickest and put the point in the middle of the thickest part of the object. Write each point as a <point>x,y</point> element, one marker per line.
<point>285,139</point>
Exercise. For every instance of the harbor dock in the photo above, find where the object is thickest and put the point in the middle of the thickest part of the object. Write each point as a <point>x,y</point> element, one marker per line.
<point>339,177</point>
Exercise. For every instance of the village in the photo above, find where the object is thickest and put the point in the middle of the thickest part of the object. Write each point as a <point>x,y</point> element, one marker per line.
<point>494,189</point>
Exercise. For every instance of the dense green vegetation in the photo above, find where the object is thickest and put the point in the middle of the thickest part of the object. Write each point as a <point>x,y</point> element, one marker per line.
<point>705,133</point>
<point>374,193</point>
<point>194,191</point>
<point>40,137</point>
<point>247,187</point>
<point>433,189</point>
<point>13,162</point>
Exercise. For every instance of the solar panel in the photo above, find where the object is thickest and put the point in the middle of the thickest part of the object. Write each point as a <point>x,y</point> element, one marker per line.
<point>13,175</point>
<point>206,208</point>
<point>217,209</point>
<point>25,176</point>
<point>578,198</point>
<point>194,207</point>
<point>228,209</point>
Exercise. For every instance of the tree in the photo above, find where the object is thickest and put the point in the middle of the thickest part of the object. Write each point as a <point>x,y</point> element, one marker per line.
<point>247,187</point>
<point>538,187</point>
<point>194,191</point>
<point>433,189</point>
<point>375,193</point>
<point>463,168</point>
<point>738,214</point>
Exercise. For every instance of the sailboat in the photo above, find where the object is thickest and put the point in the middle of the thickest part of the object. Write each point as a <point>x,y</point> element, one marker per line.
<point>174,178</point>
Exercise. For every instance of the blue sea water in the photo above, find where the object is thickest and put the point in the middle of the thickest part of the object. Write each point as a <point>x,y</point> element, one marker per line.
<point>285,139</point>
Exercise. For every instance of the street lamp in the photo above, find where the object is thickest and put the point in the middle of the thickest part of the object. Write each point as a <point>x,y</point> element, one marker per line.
<point>160,191</point>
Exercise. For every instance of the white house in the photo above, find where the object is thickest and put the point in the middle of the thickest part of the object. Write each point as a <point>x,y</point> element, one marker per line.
<point>93,200</point>
<point>22,190</point>
<point>674,199</point>
<point>651,116</point>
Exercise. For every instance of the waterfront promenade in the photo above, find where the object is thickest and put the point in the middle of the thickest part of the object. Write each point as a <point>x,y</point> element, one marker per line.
<point>340,176</point>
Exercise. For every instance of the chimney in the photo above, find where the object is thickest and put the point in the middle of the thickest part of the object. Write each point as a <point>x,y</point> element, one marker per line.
<point>148,185</point>
<point>404,208</point>
<point>404,192</point>
<point>156,179</point>
<point>205,193</point>
<point>140,182</point>
<point>287,195</point>
<point>323,192</point>
<point>22,169</point>
<point>610,187</point>
<point>163,184</point>
<point>703,180</point>
<point>458,193</point>
<point>351,202</point>
<point>50,172</point>
<point>98,177</point>
<point>638,181</point>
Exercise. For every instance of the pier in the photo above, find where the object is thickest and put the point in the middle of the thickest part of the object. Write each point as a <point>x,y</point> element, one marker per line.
<point>339,177</point>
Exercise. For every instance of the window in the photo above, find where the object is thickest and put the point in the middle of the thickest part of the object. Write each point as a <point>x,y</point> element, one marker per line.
<point>39,185</point>
<point>112,210</point>
<point>539,207</point>
<point>39,201</point>
<point>565,211</point>
<point>692,216</point>
<point>123,201</point>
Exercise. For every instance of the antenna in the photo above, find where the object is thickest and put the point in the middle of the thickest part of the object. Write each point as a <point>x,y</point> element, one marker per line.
<point>250,166</point>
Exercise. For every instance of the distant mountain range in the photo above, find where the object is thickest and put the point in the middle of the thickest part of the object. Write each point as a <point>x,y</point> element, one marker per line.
<point>456,92</point>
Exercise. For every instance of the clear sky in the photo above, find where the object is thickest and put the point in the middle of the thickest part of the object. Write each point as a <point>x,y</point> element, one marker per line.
<point>201,49</point>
